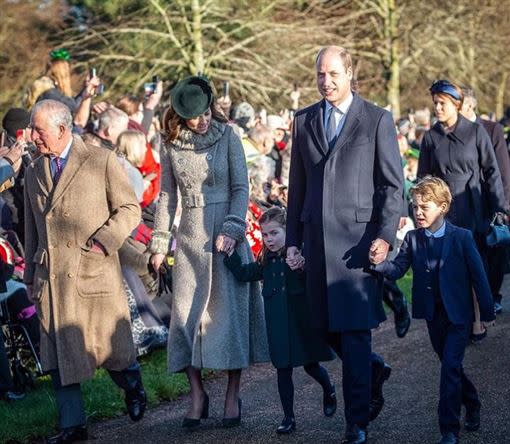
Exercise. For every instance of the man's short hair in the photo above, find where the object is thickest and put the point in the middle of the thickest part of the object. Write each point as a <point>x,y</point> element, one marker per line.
<point>433,189</point>
<point>56,112</point>
<point>112,117</point>
<point>469,94</point>
<point>342,53</point>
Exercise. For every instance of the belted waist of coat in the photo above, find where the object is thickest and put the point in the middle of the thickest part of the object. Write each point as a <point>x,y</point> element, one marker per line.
<point>201,200</point>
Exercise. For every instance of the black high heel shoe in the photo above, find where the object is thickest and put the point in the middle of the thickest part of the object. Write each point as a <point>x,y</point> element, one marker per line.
<point>192,423</point>
<point>233,422</point>
<point>287,426</point>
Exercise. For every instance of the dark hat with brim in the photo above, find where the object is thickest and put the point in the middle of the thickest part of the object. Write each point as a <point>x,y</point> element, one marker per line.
<point>191,97</point>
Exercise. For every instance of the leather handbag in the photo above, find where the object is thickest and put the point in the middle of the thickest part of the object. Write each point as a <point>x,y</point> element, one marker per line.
<point>499,233</point>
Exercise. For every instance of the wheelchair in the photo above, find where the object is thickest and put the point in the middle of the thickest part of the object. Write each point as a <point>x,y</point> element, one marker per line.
<point>21,351</point>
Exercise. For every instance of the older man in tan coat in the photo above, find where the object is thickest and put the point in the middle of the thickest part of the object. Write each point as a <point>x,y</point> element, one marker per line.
<point>79,209</point>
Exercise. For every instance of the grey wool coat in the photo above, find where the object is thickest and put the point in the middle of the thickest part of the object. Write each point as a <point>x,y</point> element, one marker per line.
<point>216,321</point>
<point>80,297</point>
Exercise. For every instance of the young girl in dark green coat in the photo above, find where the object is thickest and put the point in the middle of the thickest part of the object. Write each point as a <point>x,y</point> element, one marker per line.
<point>292,343</point>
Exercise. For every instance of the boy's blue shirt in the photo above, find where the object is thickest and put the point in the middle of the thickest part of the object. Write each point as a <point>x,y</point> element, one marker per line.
<point>460,270</point>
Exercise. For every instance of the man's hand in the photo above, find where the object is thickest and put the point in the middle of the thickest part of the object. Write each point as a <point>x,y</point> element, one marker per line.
<point>378,251</point>
<point>91,84</point>
<point>293,257</point>
<point>100,108</point>
<point>402,222</point>
<point>98,248</point>
<point>297,263</point>
<point>225,244</point>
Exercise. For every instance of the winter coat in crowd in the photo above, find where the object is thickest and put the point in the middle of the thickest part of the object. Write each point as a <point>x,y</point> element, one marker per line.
<point>216,321</point>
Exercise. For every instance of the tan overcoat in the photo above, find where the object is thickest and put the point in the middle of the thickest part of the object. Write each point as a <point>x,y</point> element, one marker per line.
<point>80,298</point>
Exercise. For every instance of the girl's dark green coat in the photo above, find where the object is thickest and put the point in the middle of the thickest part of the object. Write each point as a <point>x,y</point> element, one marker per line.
<point>292,341</point>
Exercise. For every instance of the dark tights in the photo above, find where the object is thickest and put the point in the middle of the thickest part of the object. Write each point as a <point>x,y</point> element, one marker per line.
<point>286,386</point>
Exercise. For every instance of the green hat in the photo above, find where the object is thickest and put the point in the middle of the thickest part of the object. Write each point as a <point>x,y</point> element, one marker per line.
<point>191,97</point>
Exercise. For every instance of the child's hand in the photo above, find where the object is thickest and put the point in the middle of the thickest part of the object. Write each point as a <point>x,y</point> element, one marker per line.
<point>489,324</point>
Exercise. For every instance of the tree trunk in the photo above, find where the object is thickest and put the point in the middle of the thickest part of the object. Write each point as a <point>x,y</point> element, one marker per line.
<point>393,85</point>
<point>198,50</point>
<point>500,96</point>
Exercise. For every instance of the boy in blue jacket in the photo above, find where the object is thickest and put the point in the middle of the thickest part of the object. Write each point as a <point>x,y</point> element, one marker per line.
<point>447,268</point>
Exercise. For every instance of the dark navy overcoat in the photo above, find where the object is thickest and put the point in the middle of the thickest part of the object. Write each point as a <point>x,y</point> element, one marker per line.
<point>340,200</point>
<point>465,160</point>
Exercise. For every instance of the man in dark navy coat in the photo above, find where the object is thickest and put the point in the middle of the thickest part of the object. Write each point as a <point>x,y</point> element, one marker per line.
<point>345,200</point>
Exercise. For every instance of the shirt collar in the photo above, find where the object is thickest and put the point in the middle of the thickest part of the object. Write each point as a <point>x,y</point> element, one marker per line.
<point>343,107</point>
<point>439,233</point>
<point>65,153</point>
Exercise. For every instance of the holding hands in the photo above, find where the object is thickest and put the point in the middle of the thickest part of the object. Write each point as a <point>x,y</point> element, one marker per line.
<point>225,244</point>
<point>378,251</point>
<point>295,260</point>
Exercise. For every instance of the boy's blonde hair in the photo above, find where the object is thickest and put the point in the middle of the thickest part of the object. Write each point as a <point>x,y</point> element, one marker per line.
<point>433,189</point>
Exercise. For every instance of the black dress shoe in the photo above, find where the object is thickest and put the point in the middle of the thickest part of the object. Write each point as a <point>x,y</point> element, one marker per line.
<point>233,422</point>
<point>287,426</point>
<point>476,338</point>
<point>449,438</point>
<point>472,421</point>
<point>329,402</point>
<point>377,401</point>
<point>402,322</point>
<point>136,402</point>
<point>355,435</point>
<point>192,423</point>
<point>69,435</point>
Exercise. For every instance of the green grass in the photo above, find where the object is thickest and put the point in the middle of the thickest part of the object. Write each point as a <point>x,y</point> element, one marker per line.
<point>405,285</point>
<point>36,415</point>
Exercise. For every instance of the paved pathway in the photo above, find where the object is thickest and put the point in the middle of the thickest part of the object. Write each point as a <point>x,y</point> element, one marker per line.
<point>409,415</point>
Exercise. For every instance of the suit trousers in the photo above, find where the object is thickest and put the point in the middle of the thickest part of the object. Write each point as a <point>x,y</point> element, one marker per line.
<point>70,405</point>
<point>449,342</point>
<point>354,348</point>
<point>497,267</point>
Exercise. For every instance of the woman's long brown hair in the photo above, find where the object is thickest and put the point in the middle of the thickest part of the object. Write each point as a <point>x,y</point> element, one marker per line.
<point>173,123</point>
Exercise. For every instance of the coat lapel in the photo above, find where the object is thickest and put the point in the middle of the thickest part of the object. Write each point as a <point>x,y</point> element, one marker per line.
<point>352,121</point>
<point>317,127</point>
<point>446,244</point>
<point>78,155</point>
<point>43,175</point>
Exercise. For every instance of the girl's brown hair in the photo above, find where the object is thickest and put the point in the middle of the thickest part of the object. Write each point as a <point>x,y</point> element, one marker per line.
<point>130,104</point>
<point>274,214</point>
<point>173,123</point>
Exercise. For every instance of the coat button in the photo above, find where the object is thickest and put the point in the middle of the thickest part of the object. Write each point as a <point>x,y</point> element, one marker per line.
<point>52,276</point>
<point>70,275</point>
<point>429,288</point>
<point>69,244</point>
<point>427,270</point>
<point>49,216</point>
<point>209,157</point>
<point>282,273</point>
<point>183,174</point>
<point>66,214</point>
<point>51,247</point>
<point>274,290</point>
<point>283,288</point>
<point>189,186</point>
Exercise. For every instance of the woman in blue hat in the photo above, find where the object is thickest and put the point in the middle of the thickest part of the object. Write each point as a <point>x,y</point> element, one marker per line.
<point>460,152</point>
<point>216,321</point>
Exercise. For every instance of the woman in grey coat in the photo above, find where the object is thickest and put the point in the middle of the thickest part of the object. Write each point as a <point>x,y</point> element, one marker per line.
<point>216,322</point>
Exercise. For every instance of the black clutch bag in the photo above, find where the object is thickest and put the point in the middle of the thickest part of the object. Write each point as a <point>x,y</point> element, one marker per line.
<point>499,233</point>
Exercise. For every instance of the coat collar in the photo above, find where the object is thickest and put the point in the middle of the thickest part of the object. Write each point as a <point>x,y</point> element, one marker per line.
<point>77,157</point>
<point>352,120</point>
<point>460,132</point>
<point>447,241</point>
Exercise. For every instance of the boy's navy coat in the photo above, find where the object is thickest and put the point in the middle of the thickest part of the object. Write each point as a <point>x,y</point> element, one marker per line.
<point>460,270</point>
<point>341,198</point>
